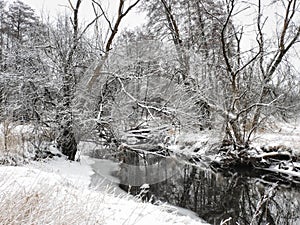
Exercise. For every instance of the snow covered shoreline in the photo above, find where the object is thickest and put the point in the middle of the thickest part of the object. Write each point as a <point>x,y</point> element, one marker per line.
<point>60,192</point>
<point>57,193</point>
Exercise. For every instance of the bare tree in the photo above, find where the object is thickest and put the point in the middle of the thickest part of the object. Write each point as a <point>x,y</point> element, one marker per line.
<point>250,79</point>
<point>66,140</point>
<point>190,28</point>
<point>69,55</point>
<point>92,93</point>
<point>113,30</point>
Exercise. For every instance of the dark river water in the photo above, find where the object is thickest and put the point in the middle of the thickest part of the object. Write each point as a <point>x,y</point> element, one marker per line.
<point>238,197</point>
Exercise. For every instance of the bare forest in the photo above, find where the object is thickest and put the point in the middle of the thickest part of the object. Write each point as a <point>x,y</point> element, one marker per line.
<point>200,81</point>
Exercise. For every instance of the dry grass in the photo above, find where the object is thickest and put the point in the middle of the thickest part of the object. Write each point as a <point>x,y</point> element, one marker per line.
<point>47,205</point>
<point>10,141</point>
<point>13,143</point>
<point>19,142</point>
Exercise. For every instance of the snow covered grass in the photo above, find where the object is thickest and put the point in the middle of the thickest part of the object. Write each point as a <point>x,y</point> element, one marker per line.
<point>32,197</point>
<point>76,173</point>
<point>280,134</point>
<point>57,192</point>
<point>196,143</point>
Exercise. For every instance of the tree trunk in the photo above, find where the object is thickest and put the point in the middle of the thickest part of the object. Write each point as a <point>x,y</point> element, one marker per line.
<point>236,133</point>
<point>67,143</point>
<point>66,140</point>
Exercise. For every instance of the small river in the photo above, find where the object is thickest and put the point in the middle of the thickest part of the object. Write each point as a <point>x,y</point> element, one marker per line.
<point>210,195</point>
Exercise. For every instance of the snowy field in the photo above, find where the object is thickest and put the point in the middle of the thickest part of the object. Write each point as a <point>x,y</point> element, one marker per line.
<point>57,192</point>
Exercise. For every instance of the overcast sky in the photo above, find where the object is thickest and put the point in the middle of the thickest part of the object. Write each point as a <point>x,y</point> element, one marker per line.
<point>53,7</point>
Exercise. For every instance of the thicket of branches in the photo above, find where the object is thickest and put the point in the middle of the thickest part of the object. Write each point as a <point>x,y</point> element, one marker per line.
<point>187,69</point>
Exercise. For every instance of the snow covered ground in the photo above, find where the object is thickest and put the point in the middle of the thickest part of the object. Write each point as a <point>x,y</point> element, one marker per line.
<point>286,134</point>
<point>275,133</point>
<point>57,192</point>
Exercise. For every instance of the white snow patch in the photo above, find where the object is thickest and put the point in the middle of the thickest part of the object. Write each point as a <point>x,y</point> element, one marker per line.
<point>195,143</point>
<point>145,186</point>
<point>78,173</point>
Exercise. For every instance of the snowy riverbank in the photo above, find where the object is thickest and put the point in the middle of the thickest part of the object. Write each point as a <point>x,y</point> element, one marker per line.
<point>57,192</point>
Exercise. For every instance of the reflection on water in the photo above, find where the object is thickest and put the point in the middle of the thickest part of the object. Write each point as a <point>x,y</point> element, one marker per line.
<point>216,198</point>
